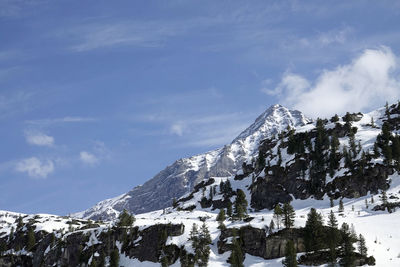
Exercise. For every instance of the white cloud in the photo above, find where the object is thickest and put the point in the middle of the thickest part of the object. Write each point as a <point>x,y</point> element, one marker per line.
<point>88,158</point>
<point>44,122</point>
<point>367,82</point>
<point>335,36</point>
<point>177,128</point>
<point>39,139</point>
<point>35,167</point>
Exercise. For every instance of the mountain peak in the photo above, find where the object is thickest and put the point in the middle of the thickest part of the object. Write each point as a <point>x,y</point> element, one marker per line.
<point>274,119</point>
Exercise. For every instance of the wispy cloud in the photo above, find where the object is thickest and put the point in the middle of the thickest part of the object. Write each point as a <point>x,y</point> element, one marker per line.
<point>154,33</point>
<point>88,158</point>
<point>38,138</point>
<point>368,81</point>
<point>14,103</point>
<point>201,131</point>
<point>44,122</point>
<point>99,152</point>
<point>35,167</point>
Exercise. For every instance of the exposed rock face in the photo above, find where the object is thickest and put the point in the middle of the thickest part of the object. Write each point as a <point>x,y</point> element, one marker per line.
<point>279,183</point>
<point>256,242</point>
<point>181,177</point>
<point>74,249</point>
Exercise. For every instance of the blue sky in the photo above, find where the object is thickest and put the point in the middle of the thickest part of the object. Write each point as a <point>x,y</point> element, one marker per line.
<point>96,97</point>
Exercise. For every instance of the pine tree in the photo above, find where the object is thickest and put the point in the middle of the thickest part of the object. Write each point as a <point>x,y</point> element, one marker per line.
<point>11,236</point>
<point>174,203</point>
<point>125,219</point>
<point>352,144</point>
<point>279,156</point>
<point>278,215</point>
<point>194,236</point>
<point>221,218</point>
<point>333,236</point>
<point>331,202</point>
<point>372,199</point>
<point>31,239</point>
<point>341,207</point>
<point>334,160</point>
<point>290,255</point>
<point>347,246</point>
<point>237,257</point>
<point>335,118</point>
<point>261,160</point>
<point>288,215</point>
<point>384,197</point>
<point>19,222</point>
<point>271,227</point>
<point>314,233</point>
<point>387,112</point>
<point>200,244</point>
<point>366,203</point>
<point>3,246</point>
<point>203,250</point>
<point>114,258</point>
<point>362,248</point>
<point>229,209</point>
<point>240,210</point>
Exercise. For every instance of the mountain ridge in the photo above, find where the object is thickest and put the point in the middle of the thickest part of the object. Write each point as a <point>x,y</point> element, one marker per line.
<point>181,176</point>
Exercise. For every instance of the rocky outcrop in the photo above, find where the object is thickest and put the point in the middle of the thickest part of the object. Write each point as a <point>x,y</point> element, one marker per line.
<point>76,248</point>
<point>256,242</point>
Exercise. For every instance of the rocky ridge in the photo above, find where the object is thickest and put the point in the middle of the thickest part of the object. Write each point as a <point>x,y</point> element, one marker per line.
<point>181,177</point>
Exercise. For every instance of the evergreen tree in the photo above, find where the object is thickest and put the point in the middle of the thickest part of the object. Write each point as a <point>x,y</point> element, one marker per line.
<point>334,160</point>
<point>372,122</point>
<point>11,236</point>
<point>333,236</point>
<point>347,246</point>
<point>341,207</point>
<point>200,244</point>
<point>221,218</point>
<point>290,255</point>
<point>240,210</point>
<point>261,160</point>
<point>314,232</point>
<point>194,236</point>
<point>114,258</point>
<point>288,215</point>
<point>362,247</point>
<point>331,202</point>
<point>278,215</point>
<point>174,202</point>
<point>352,144</point>
<point>271,226</point>
<point>31,239</point>
<point>335,118</point>
<point>384,197</point>
<point>229,209</point>
<point>125,219</point>
<point>387,112</point>
<point>279,156</point>
<point>3,246</point>
<point>19,222</point>
<point>237,257</point>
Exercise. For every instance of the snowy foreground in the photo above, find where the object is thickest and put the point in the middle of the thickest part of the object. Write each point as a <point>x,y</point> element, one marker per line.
<point>378,227</point>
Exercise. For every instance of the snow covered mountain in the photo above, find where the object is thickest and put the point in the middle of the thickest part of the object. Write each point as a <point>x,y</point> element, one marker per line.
<point>359,183</point>
<point>180,177</point>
